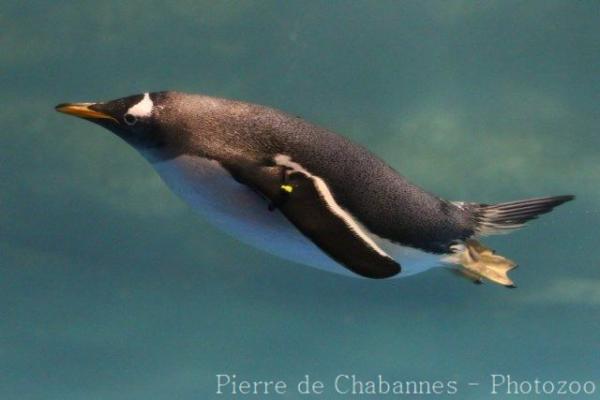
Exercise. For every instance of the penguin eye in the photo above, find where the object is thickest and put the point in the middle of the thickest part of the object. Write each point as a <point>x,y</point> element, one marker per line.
<point>129,119</point>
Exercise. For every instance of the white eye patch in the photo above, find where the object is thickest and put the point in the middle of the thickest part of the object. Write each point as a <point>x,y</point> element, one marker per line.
<point>143,108</point>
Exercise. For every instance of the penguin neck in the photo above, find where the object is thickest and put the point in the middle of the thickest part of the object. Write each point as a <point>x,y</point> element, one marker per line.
<point>164,153</point>
<point>154,156</point>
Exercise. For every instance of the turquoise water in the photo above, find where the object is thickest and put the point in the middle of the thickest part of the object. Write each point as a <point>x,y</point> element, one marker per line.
<point>111,288</point>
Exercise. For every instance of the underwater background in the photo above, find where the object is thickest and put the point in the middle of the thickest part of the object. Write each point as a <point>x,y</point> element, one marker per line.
<point>112,288</point>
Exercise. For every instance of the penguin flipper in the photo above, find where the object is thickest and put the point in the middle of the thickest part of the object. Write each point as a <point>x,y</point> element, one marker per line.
<point>308,204</point>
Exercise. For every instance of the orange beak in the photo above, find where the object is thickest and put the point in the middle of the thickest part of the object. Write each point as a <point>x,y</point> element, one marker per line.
<point>82,110</point>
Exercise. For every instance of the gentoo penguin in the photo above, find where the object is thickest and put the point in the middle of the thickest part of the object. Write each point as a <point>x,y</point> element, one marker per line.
<point>304,193</point>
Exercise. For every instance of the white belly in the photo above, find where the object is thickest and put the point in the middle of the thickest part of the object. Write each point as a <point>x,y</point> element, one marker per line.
<point>211,191</point>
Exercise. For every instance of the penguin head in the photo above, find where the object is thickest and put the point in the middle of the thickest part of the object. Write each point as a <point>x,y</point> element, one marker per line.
<point>137,119</point>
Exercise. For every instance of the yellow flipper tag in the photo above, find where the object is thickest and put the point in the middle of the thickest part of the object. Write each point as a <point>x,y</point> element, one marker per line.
<point>287,188</point>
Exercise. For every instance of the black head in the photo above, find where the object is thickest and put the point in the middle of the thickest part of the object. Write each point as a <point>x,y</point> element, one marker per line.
<point>136,119</point>
<point>164,125</point>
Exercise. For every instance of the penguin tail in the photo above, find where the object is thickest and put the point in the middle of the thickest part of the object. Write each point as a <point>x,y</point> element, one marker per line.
<point>476,261</point>
<point>506,217</point>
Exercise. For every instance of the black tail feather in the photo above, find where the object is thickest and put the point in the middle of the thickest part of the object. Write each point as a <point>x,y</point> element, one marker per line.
<point>504,217</point>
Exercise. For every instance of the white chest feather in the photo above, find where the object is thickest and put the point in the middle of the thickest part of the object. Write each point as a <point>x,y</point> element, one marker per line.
<point>211,191</point>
